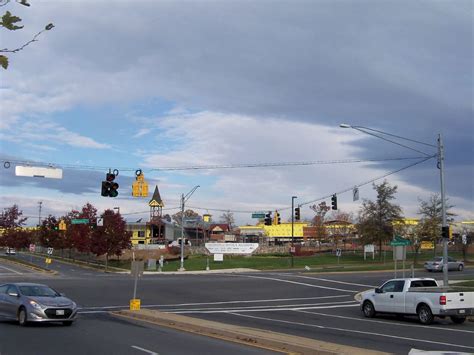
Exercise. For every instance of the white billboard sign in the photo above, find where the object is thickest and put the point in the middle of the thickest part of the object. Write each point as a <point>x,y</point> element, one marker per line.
<point>37,171</point>
<point>231,248</point>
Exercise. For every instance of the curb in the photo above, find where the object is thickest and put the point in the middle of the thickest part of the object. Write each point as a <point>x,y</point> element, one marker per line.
<point>244,335</point>
<point>29,266</point>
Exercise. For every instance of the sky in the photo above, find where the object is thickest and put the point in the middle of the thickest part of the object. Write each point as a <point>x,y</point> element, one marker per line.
<point>155,85</point>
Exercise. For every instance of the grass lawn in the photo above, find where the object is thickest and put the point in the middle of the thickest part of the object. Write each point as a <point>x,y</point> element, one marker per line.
<point>325,262</point>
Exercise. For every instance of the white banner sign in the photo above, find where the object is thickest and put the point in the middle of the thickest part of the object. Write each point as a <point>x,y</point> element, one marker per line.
<point>369,248</point>
<point>231,248</point>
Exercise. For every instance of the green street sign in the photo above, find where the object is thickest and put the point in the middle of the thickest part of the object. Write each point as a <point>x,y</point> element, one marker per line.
<point>80,221</point>
<point>258,215</point>
<point>399,241</point>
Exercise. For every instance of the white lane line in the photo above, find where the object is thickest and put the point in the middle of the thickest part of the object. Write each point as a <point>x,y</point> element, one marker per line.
<point>220,302</point>
<point>388,323</point>
<point>243,310</point>
<point>144,350</point>
<point>328,280</point>
<point>353,331</point>
<point>297,283</point>
<point>7,268</point>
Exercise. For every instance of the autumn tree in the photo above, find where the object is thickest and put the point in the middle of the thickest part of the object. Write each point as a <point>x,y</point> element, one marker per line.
<point>111,238</point>
<point>78,236</point>
<point>11,221</point>
<point>318,221</point>
<point>12,23</point>
<point>432,219</point>
<point>376,217</point>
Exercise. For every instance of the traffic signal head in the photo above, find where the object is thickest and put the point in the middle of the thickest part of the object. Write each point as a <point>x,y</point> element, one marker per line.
<point>445,232</point>
<point>297,214</point>
<point>277,218</point>
<point>268,219</point>
<point>109,186</point>
<point>334,202</point>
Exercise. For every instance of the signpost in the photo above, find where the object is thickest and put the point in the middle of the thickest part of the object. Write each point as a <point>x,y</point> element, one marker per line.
<point>258,215</point>
<point>137,270</point>
<point>400,251</point>
<point>338,254</point>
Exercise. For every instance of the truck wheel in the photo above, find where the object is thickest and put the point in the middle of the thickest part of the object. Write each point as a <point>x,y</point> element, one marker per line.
<point>460,267</point>
<point>424,314</point>
<point>458,320</point>
<point>368,309</point>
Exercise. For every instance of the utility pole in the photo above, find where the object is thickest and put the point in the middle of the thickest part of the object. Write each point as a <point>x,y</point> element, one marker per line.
<point>184,198</point>
<point>292,227</point>
<point>443,209</point>
<point>39,213</point>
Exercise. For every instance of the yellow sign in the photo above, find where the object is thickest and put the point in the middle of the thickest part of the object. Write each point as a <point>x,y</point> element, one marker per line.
<point>427,245</point>
<point>135,304</point>
<point>48,261</point>
<point>62,225</point>
<point>140,186</point>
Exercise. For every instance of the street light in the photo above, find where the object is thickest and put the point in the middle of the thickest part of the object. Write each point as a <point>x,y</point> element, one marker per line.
<point>184,198</point>
<point>292,226</point>
<point>440,156</point>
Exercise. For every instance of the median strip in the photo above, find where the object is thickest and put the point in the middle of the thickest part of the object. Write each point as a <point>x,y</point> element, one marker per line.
<point>244,335</point>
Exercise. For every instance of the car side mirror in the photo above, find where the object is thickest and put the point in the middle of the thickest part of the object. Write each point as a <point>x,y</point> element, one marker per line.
<point>13,294</point>
<point>378,290</point>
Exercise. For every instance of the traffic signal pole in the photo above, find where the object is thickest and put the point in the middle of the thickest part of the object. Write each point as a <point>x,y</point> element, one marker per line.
<point>292,227</point>
<point>443,210</point>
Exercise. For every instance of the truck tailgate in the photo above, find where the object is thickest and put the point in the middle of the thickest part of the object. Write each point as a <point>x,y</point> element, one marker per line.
<point>462,299</point>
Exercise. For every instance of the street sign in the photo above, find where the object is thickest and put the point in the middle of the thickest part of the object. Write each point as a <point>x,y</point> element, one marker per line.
<point>50,251</point>
<point>355,194</point>
<point>32,248</point>
<point>80,221</point>
<point>135,304</point>
<point>258,215</point>
<point>338,252</point>
<point>48,261</point>
<point>100,222</point>
<point>399,241</point>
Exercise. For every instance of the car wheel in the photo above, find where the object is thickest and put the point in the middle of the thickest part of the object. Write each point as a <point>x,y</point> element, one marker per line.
<point>424,314</point>
<point>67,323</point>
<point>460,267</point>
<point>458,320</point>
<point>22,317</point>
<point>368,309</point>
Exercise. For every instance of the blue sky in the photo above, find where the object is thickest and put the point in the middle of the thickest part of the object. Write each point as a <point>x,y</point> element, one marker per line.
<point>148,85</point>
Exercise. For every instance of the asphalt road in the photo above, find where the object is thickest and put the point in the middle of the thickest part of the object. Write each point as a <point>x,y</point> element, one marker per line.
<point>318,306</point>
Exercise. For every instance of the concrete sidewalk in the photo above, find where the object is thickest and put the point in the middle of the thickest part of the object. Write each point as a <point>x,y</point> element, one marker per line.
<point>249,336</point>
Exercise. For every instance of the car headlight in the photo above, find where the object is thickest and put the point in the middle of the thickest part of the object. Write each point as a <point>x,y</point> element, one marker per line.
<point>35,305</point>
<point>74,305</point>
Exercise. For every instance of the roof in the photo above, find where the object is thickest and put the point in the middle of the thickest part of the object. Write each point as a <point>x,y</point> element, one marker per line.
<point>156,200</point>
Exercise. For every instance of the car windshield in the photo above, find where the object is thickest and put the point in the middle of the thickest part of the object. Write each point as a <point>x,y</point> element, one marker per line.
<point>39,291</point>
<point>438,259</point>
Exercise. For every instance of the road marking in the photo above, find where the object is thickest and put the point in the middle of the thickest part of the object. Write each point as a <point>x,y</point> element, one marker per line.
<point>328,280</point>
<point>144,350</point>
<point>297,283</point>
<point>7,268</point>
<point>221,302</point>
<point>388,323</point>
<point>353,331</point>
<point>247,310</point>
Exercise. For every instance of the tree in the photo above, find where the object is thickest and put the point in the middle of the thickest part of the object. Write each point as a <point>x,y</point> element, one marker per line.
<point>11,221</point>
<point>318,221</point>
<point>431,219</point>
<point>376,217</point>
<point>228,218</point>
<point>342,226</point>
<point>48,235</point>
<point>11,22</point>
<point>187,214</point>
<point>111,238</point>
<point>78,236</point>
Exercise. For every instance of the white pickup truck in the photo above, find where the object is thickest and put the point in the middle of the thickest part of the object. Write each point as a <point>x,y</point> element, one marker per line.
<point>418,296</point>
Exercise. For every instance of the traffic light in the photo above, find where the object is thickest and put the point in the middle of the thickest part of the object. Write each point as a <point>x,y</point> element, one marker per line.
<point>297,214</point>
<point>445,232</point>
<point>334,202</point>
<point>109,186</point>
<point>268,219</point>
<point>277,218</point>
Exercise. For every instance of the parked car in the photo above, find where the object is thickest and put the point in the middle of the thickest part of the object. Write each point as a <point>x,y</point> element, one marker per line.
<point>30,302</point>
<point>437,264</point>
<point>418,296</point>
<point>10,251</point>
